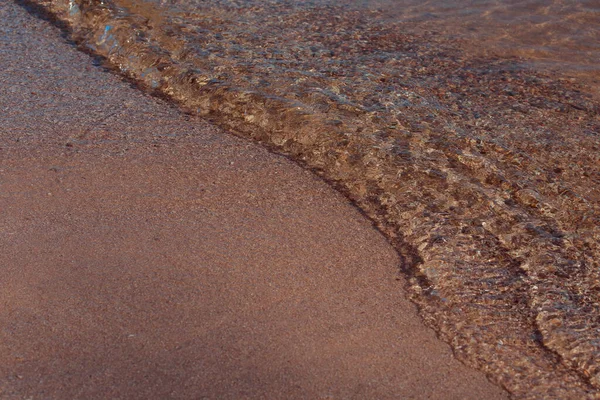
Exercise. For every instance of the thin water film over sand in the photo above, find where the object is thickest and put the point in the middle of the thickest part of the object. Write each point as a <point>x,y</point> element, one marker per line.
<point>483,168</point>
<point>560,36</point>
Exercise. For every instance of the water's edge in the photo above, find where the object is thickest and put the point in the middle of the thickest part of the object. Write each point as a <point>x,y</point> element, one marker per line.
<point>380,174</point>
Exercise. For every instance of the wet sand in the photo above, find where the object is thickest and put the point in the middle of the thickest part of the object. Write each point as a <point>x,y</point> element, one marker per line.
<point>147,254</point>
<point>481,172</point>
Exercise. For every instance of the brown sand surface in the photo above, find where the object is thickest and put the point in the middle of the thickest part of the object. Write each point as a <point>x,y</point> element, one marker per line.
<point>146,254</point>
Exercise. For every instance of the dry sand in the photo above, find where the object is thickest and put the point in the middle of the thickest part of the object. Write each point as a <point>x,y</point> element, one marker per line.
<point>146,254</point>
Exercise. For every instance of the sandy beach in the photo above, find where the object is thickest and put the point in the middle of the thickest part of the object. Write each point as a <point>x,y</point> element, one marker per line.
<point>479,166</point>
<point>146,254</point>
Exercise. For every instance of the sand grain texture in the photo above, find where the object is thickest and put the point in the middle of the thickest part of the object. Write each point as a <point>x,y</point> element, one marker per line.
<point>146,254</point>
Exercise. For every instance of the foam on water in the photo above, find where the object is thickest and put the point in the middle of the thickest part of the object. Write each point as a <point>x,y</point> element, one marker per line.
<point>483,172</point>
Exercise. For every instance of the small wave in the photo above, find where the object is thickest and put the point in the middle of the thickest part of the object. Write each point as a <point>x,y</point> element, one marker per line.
<point>484,174</point>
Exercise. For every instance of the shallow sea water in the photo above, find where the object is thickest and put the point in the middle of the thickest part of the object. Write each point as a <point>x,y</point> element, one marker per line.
<point>469,131</point>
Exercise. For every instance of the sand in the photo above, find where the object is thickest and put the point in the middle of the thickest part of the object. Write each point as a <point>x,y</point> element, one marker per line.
<point>147,254</point>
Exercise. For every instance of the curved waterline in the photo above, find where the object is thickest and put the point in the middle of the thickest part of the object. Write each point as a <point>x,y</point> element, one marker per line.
<point>484,175</point>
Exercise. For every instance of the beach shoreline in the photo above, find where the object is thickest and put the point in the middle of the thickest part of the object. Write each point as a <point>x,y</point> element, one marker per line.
<point>482,173</point>
<point>148,254</point>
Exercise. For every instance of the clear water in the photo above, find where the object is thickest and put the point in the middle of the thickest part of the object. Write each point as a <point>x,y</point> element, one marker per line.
<point>468,130</point>
<point>560,36</point>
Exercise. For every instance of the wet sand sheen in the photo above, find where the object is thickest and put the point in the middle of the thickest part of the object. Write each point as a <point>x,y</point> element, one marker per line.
<point>484,174</point>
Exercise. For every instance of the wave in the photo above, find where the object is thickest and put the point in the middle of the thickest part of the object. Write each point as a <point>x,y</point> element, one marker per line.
<point>484,174</point>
